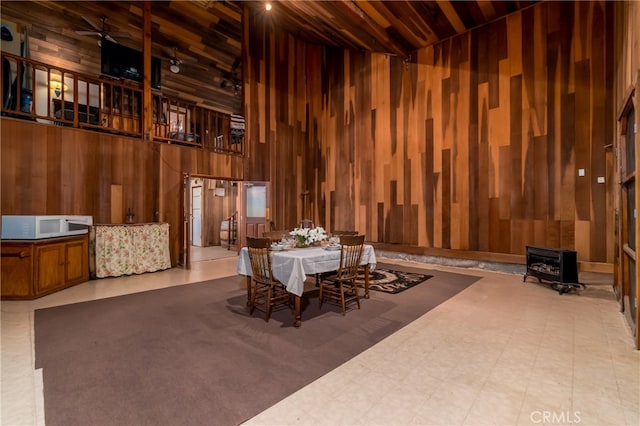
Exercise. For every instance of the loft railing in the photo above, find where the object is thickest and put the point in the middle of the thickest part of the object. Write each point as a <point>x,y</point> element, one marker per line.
<point>33,90</point>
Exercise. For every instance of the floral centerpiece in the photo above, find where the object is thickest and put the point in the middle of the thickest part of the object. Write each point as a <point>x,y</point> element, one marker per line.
<point>309,236</point>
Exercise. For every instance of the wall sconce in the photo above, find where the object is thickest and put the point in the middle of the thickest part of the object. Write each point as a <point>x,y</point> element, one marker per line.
<point>58,87</point>
<point>219,190</point>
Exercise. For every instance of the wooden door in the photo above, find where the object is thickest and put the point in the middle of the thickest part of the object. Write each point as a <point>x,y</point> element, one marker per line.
<point>254,213</point>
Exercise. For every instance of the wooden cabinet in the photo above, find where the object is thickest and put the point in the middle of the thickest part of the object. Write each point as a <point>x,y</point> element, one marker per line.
<point>33,268</point>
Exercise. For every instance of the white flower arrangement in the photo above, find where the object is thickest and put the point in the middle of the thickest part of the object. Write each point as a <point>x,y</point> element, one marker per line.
<point>309,236</point>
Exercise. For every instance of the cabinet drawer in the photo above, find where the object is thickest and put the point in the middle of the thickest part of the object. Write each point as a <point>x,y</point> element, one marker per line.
<point>17,271</point>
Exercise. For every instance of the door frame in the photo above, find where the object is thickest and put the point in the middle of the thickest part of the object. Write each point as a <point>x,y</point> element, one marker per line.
<point>184,259</point>
<point>194,189</point>
<point>624,254</point>
<point>243,220</point>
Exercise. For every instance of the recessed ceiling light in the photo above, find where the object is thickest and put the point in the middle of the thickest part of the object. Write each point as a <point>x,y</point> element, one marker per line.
<point>267,6</point>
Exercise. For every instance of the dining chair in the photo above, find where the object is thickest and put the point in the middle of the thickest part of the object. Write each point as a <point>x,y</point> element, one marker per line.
<point>277,235</point>
<point>334,234</point>
<point>341,287</point>
<point>306,223</point>
<point>267,293</point>
<point>340,233</point>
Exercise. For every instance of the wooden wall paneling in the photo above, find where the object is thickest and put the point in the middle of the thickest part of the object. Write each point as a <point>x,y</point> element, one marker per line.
<point>539,232</point>
<point>436,75</point>
<point>446,199</point>
<point>582,132</point>
<point>429,185</point>
<point>493,225</point>
<point>395,218</point>
<point>553,126</point>
<point>567,234</point>
<point>410,226</point>
<point>55,179</point>
<point>485,174</point>
<point>515,141</point>
<point>583,239</point>
<point>117,205</point>
<point>505,203</point>
<point>364,147</point>
<point>540,179</point>
<point>600,134</point>
<point>538,102</point>
<point>515,43</point>
<point>8,168</point>
<point>552,234</point>
<point>567,167</point>
<point>32,195</point>
<point>474,160</point>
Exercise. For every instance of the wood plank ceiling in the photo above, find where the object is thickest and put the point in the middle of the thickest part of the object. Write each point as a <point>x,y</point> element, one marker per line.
<point>206,34</point>
<point>398,27</point>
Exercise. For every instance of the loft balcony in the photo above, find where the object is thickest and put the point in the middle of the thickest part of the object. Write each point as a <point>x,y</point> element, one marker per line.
<point>32,90</point>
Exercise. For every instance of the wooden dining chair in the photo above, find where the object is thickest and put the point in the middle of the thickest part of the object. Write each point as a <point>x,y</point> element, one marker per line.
<point>275,236</point>
<point>341,233</point>
<point>337,234</point>
<point>306,223</point>
<point>341,287</point>
<point>267,293</point>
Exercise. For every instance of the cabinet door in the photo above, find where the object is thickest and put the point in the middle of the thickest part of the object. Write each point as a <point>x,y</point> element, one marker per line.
<point>50,267</point>
<point>77,262</point>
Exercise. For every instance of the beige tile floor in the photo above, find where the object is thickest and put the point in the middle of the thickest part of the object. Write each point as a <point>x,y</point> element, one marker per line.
<point>499,353</point>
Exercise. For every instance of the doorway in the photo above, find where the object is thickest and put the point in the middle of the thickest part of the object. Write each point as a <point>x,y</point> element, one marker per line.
<point>212,208</point>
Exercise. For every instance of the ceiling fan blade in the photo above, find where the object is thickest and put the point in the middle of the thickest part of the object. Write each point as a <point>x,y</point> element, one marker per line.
<point>111,39</point>
<point>93,24</point>
<point>171,52</point>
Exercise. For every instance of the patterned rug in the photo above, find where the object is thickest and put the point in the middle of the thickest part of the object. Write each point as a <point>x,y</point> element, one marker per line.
<point>390,281</point>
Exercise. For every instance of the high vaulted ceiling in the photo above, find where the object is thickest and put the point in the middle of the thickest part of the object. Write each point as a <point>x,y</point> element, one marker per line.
<point>398,27</point>
<point>206,34</point>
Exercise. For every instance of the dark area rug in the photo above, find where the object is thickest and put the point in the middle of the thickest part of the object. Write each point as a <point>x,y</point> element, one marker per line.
<point>391,280</point>
<point>191,354</point>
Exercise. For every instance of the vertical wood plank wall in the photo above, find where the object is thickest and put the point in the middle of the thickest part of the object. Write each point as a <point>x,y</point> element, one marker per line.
<point>474,144</point>
<point>57,170</point>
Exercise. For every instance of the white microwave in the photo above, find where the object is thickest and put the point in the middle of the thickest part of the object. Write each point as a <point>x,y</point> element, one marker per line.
<point>17,227</point>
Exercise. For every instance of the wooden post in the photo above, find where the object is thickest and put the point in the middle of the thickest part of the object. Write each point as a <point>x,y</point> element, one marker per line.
<point>147,111</point>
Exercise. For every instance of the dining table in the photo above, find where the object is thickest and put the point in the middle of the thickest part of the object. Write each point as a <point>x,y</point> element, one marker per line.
<point>291,266</point>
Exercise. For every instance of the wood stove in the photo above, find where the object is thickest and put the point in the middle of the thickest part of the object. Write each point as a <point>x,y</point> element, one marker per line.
<point>559,267</point>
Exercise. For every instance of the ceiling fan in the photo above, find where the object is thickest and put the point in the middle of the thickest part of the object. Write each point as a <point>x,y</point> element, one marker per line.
<point>176,59</point>
<point>231,80</point>
<point>101,30</point>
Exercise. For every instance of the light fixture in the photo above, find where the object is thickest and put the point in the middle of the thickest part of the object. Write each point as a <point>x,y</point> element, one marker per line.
<point>267,6</point>
<point>219,190</point>
<point>58,87</point>
<point>175,66</point>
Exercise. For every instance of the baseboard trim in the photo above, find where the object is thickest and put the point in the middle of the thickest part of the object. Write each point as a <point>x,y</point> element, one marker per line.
<point>511,261</point>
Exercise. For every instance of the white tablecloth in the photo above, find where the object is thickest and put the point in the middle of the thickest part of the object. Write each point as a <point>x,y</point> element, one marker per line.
<point>292,266</point>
